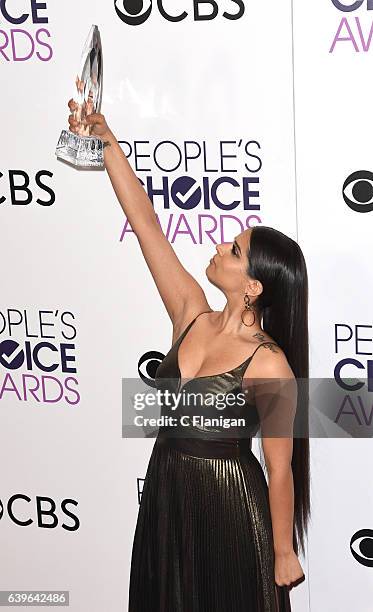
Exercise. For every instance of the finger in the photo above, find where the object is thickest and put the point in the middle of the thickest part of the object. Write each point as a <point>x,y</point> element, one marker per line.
<point>94,118</point>
<point>297,581</point>
<point>72,104</point>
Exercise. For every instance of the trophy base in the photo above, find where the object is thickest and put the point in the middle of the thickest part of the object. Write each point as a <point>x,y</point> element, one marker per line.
<point>83,151</point>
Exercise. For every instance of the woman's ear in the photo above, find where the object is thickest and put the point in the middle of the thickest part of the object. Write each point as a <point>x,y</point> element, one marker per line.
<point>254,288</point>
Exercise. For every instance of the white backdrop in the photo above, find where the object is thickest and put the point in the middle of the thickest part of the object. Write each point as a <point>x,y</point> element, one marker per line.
<point>333,90</point>
<point>227,92</point>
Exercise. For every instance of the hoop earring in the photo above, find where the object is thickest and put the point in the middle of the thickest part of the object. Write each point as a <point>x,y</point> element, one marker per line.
<point>249,307</point>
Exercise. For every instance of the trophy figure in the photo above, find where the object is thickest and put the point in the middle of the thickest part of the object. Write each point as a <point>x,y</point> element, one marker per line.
<point>82,149</point>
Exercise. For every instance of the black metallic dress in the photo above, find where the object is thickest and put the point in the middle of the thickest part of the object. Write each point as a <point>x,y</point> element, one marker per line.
<point>203,540</point>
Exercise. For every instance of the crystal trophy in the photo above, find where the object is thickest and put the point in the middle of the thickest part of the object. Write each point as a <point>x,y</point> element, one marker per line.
<point>81,148</point>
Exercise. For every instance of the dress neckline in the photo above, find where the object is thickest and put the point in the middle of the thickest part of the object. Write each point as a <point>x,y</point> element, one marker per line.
<point>180,339</point>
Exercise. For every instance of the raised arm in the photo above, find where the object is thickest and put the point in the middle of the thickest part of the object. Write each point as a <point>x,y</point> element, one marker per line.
<point>181,294</point>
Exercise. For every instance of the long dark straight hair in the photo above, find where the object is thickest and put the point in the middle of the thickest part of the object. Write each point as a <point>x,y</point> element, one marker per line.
<point>278,263</point>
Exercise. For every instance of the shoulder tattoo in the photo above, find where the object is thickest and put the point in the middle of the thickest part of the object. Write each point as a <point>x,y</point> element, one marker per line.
<point>267,345</point>
<point>271,347</point>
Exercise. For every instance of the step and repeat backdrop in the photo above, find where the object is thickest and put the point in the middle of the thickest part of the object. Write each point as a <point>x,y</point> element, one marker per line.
<point>232,114</point>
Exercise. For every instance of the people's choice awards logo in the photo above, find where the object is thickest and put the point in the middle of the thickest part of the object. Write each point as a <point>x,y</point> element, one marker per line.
<point>357,191</point>
<point>221,193</point>
<point>354,32</point>
<point>136,12</point>
<point>38,356</point>
<point>348,8</point>
<point>21,37</point>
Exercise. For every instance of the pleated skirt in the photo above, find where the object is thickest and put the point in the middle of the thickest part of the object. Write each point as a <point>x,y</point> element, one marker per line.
<point>203,540</point>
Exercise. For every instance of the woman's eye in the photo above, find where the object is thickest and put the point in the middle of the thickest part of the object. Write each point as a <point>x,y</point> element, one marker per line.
<point>234,250</point>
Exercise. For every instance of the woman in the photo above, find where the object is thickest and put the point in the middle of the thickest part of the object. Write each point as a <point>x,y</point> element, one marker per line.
<point>211,535</point>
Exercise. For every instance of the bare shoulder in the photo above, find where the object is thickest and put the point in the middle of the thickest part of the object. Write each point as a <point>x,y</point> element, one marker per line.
<point>269,361</point>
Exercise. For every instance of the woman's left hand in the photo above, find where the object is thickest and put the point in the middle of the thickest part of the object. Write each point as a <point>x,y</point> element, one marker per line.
<point>288,570</point>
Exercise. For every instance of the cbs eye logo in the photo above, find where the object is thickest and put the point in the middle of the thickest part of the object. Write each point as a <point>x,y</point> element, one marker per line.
<point>133,12</point>
<point>361,546</point>
<point>357,191</point>
<point>148,365</point>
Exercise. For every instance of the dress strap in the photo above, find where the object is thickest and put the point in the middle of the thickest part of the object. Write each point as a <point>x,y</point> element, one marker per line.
<point>242,367</point>
<point>203,312</point>
<point>193,320</point>
<point>262,344</point>
<point>183,333</point>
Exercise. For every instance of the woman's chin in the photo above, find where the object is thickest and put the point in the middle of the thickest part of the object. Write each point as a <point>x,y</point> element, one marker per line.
<point>209,271</point>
